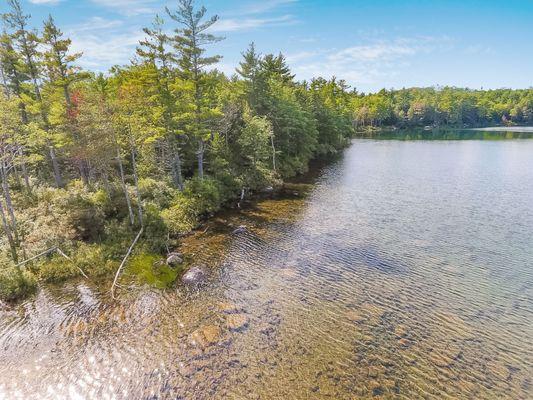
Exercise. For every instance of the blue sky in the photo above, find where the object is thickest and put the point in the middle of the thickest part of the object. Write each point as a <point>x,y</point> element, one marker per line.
<point>370,43</point>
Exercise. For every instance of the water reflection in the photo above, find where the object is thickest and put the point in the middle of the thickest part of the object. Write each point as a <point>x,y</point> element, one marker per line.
<point>405,272</point>
<point>497,133</point>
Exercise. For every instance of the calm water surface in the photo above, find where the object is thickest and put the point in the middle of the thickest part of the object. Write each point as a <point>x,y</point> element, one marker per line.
<point>405,272</point>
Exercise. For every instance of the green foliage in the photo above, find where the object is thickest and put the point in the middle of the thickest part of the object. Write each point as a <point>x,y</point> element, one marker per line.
<point>15,284</point>
<point>200,198</point>
<point>156,192</point>
<point>57,269</point>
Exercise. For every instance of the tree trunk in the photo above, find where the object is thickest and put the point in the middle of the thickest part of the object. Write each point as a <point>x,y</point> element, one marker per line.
<point>124,187</point>
<point>137,192</point>
<point>200,155</point>
<point>176,171</point>
<point>55,165</point>
<point>273,152</point>
<point>25,172</point>
<point>7,229</point>
<point>9,203</point>
<point>4,83</point>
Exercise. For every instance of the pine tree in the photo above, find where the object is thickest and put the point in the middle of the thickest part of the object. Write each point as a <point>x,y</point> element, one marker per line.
<point>189,40</point>
<point>154,50</point>
<point>62,72</point>
<point>27,45</point>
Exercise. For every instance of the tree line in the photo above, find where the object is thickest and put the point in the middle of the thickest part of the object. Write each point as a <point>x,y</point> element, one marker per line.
<point>444,107</point>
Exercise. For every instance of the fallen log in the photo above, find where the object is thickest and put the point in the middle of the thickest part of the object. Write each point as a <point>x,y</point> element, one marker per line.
<point>121,266</point>
<point>46,252</point>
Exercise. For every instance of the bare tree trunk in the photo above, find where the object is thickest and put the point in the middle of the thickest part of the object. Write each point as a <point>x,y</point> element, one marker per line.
<point>25,171</point>
<point>200,155</point>
<point>55,165</point>
<point>9,203</point>
<point>105,178</point>
<point>124,187</point>
<point>7,230</point>
<point>84,174</point>
<point>273,152</point>
<point>176,171</point>
<point>4,83</point>
<point>137,192</point>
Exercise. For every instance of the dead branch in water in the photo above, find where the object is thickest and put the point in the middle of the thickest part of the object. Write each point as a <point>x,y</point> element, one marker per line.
<point>121,266</point>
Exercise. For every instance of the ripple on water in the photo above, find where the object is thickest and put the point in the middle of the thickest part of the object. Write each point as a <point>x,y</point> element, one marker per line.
<point>402,273</point>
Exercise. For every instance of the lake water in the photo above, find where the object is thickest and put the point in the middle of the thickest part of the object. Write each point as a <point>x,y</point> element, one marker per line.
<point>404,271</point>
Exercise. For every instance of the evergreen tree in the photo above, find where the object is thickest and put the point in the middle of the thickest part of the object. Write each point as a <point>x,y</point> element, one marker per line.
<point>189,40</point>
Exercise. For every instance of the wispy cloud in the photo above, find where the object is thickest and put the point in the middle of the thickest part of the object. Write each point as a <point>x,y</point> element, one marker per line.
<point>129,7</point>
<point>52,2</point>
<point>241,24</point>
<point>265,6</point>
<point>104,42</point>
<point>259,14</point>
<point>368,63</point>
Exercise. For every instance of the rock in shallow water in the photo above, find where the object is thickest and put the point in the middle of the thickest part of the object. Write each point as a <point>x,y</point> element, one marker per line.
<point>174,259</point>
<point>237,322</point>
<point>194,276</point>
<point>206,336</point>
<point>228,308</point>
<point>240,230</point>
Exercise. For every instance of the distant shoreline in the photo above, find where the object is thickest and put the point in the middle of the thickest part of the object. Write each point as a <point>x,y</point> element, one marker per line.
<point>525,129</point>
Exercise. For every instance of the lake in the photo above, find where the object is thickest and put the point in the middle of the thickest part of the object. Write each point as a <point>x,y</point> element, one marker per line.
<point>403,270</point>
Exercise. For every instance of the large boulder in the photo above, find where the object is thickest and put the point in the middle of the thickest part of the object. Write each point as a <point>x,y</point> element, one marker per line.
<point>195,276</point>
<point>174,259</point>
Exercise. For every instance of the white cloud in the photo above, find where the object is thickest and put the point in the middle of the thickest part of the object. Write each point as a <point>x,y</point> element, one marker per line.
<point>375,52</point>
<point>368,63</point>
<point>130,7</point>
<point>45,1</point>
<point>265,6</point>
<point>103,42</point>
<point>234,24</point>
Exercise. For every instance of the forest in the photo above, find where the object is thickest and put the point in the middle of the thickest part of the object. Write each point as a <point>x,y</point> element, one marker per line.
<point>90,161</point>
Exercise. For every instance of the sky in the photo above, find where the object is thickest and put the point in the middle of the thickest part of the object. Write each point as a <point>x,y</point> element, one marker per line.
<point>372,44</point>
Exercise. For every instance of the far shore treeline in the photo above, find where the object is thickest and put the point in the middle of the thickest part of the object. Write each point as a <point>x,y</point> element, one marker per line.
<point>89,159</point>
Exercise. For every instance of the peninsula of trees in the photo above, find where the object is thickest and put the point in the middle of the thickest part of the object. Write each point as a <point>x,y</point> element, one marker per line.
<point>87,160</point>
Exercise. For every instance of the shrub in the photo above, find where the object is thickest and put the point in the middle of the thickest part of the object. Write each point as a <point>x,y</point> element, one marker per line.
<point>94,259</point>
<point>181,217</point>
<point>57,269</point>
<point>200,197</point>
<point>15,284</point>
<point>155,229</point>
<point>156,192</point>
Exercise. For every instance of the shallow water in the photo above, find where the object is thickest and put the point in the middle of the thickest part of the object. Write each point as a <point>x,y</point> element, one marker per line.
<point>406,271</point>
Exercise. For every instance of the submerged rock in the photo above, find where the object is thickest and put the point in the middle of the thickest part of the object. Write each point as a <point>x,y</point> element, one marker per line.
<point>400,331</point>
<point>174,259</point>
<point>206,335</point>
<point>194,276</point>
<point>228,308</point>
<point>237,322</point>
<point>354,316</point>
<point>240,230</point>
